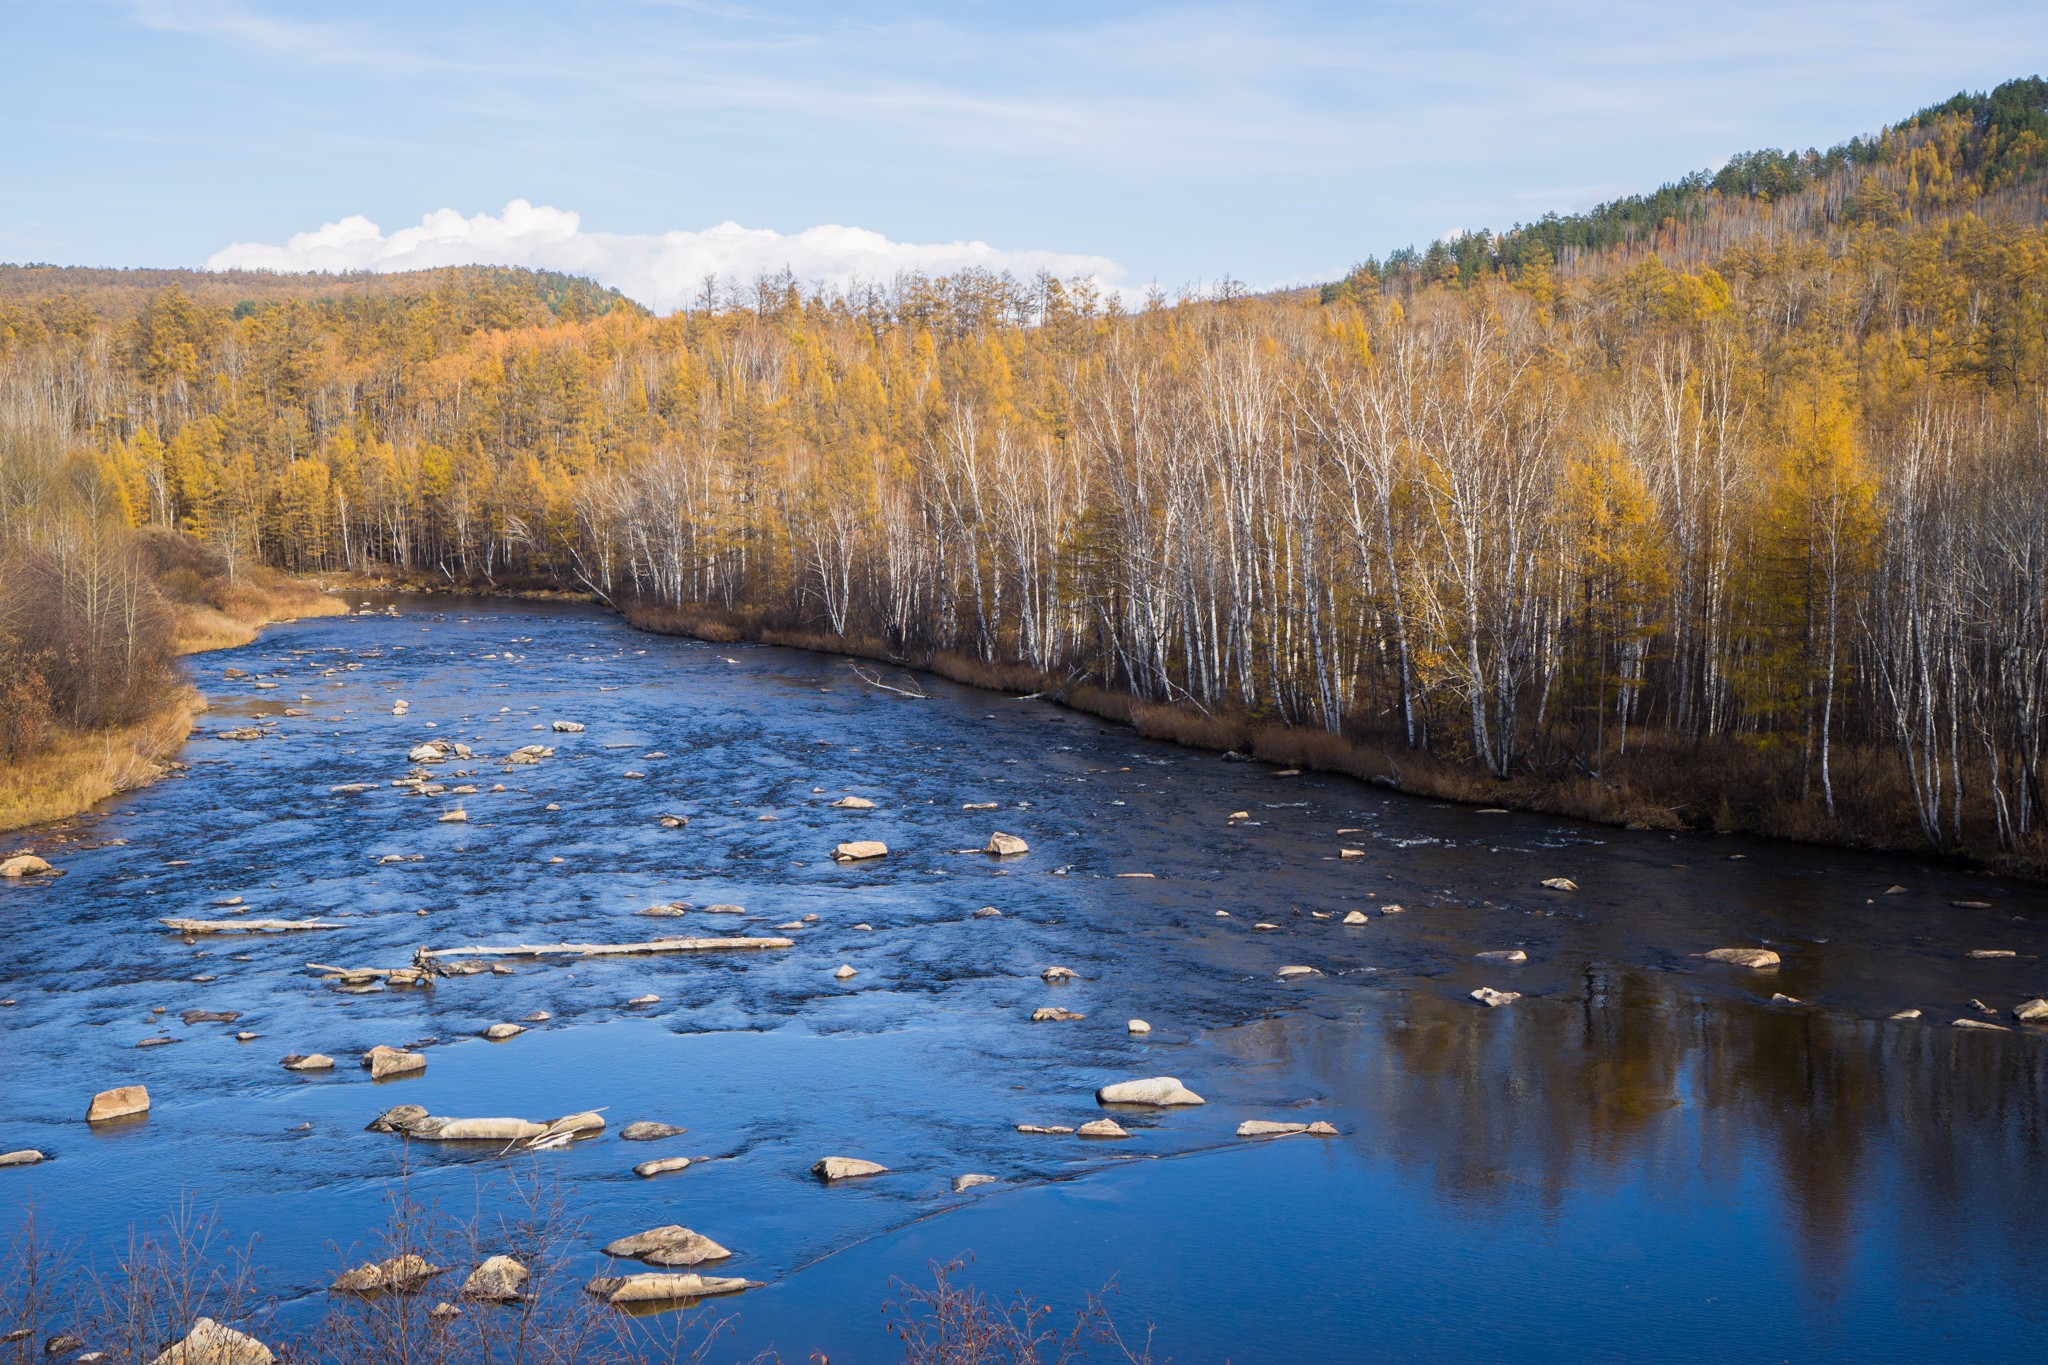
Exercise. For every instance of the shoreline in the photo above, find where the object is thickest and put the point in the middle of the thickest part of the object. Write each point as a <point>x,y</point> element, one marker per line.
<point>76,770</point>
<point>1639,796</point>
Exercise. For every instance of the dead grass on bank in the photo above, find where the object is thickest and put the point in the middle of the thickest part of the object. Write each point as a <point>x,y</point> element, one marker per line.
<point>235,613</point>
<point>76,770</point>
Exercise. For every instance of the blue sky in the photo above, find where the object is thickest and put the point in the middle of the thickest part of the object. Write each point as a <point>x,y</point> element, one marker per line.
<point>1272,142</point>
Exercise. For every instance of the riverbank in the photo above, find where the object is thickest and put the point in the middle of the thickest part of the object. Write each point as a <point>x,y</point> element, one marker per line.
<point>74,770</point>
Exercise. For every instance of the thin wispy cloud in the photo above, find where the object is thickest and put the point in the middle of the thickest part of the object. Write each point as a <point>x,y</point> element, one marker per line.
<point>664,270</point>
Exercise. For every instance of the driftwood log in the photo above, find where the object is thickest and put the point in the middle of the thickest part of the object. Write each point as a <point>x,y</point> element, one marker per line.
<point>245,926</point>
<point>427,956</point>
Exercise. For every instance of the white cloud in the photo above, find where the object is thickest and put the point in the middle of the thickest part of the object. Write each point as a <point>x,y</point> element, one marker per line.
<point>663,271</point>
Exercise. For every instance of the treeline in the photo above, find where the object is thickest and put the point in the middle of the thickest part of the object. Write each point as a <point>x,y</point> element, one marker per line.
<point>1760,541</point>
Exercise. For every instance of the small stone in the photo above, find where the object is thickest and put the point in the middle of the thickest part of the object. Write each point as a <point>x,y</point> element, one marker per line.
<point>1560,884</point>
<point>455,817</point>
<point>1265,926</point>
<point>1993,952</point>
<point>498,1033</point>
<point>1044,1130</point>
<point>1350,853</point>
<point>567,727</point>
<point>1137,1026</point>
<point>308,1061</point>
<point>1291,973</point>
<point>1102,1128</point>
<point>1502,955</point>
<point>1054,1014</point>
<point>672,821</point>
<point>400,1272</point>
<point>844,971</point>
<point>853,803</point>
<point>845,1168</point>
<point>1493,999</point>
<point>538,1017</point>
<point>1978,1024</point>
<point>1905,1014</point>
<point>968,1182</point>
<point>1354,917</point>
<point>1267,1128</point>
<point>865,928</point>
<point>640,1000</point>
<point>245,1036</point>
<point>1001,845</point>
<point>1780,998</point>
<point>663,1166</point>
<point>1059,974</point>
<point>988,912</point>
<point>1755,958</point>
<point>118,1103</point>
<point>859,850</point>
<point>390,1061</point>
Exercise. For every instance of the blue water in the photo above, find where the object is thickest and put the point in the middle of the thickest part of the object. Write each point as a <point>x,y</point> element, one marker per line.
<point>1643,1156</point>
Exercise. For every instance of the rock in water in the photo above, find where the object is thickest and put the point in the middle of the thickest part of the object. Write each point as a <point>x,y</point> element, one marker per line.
<point>498,1033</point>
<point>455,817</point>
<point>1355,917</point>
<point>1978,1024</point>
<point>620,1289</point>
<point>1266,1128</point>
<point>1003,845</point>
<point>1137,1026</point>
<point>1290,973</point>
<point>1058,974</point>
<point>1905,1014</point>
<point>1502,955</point>
<point>209,1343</point>
<point>1560,884</point>
<point>384,1061</point>
<point>24,865</point>
<point>859,850</point>
<point>497,1280</point>
<point>568,727</point>
<point>1493,999</point>
<point>400,1272</point>
<point>969,1181</point>
<point>309,1061</point>
<point>670,1245</point>
<point>1102,1128</point>
<point>1054,1014</point>
<point>1052,1130</point>
<point>27,1156</point>
<point>644,1131</point>
<point>845,1168</point>
<point>853,803</point>
<point>1162,1091</point>
<point>844,971</point>
<point>662,1167</point>
<point>118,1103</point>
<point>2031,1012</point>
<point>1757,958</point>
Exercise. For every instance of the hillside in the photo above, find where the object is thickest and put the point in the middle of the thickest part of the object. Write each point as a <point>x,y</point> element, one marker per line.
<point>1718,508</point>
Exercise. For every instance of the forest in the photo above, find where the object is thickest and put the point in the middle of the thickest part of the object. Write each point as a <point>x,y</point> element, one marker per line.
<point>1722,507</point>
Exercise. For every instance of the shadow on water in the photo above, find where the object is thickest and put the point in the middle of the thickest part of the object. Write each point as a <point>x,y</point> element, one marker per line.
<point>1643,1153</point>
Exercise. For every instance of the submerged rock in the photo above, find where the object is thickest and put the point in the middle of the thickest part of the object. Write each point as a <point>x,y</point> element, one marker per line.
<point>1993,952</point>
<point>1059,974</point>
<point>209,1343</point>
<point>1978,1024</point>
<point>1560,884</point>
<point>1267,1128</point>
<point>1045,1129</point>
<point>498,1033</point>
<point>118,1103</point>
<point>1756,958</point>
<point>1290,973</point>
<point>845,1168</point>
<point>1054,1014</point>
<point>970,1180</point>
<point>853,803</point>
<point>1513,955</point>
<point>1905,1014</point>
<point>1493,999</point>
<point>24,865</point>
<point>646,1131</point>
<point>454,817</point>
<point>497,1280</point>
<point>670,1245</point>
<point>662,1166</point>
<point>1162,1091</point>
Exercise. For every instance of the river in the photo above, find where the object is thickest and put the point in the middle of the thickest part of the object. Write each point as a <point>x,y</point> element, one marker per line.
<point>1642,1155</point>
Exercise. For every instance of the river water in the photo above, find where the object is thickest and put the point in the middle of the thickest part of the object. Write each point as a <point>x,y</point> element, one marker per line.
<point>1642,1155</point>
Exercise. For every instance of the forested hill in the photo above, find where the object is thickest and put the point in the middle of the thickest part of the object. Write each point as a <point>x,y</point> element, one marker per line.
<point>1974,151</point>
<point>1735,520</point>
<point>39,302</point>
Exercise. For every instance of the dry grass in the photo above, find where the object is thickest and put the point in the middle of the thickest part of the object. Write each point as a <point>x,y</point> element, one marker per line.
<point>75,769</point>
<point>239,611</point>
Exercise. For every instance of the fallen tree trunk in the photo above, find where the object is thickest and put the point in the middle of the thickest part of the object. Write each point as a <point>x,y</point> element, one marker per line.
<point>425,956</point>
<point>245,926</point>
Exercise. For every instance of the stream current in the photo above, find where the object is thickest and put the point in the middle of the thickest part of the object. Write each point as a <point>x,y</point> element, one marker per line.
<point>1642,1155</point>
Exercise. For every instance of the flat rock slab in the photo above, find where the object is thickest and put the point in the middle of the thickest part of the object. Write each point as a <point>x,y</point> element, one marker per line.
<point>622,1289</point>
<point>645,1131</point>
<point>670,1245</point>
<point>1161,1091</point>
<point>1755,958</point>
<point>845,1168</point>
<point>118,1103</point>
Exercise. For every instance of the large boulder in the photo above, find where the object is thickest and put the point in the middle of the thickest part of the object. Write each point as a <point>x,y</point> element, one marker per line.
<point>209,1343</point>
<point>1162,1091</point>
<point>497,1280</point>
<point>2031,1012</point>
<point>845,1168</point>
<point>1755,958</point>
<point>118,1103</point>
<point>670,1245</point>
<point>859,850</point>
<point>24,865</point>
